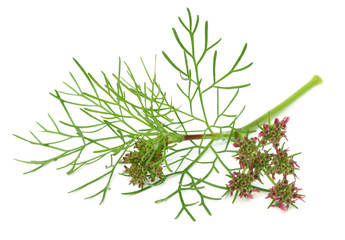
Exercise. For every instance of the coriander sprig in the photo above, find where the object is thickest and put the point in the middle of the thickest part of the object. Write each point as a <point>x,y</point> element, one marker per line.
<point>135,124</point>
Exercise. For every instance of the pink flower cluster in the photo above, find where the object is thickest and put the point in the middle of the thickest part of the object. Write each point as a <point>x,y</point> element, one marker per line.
<point>251,153</point>
<point>273,133</point>
<point>282,163</point>
<point>247,152</point>
<point>242,182</point>
<point>284,194</point>
<point>256,161</point>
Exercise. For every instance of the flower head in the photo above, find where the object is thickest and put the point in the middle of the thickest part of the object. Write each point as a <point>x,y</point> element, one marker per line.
<point>242,182</point>
<point>284,194</point>
<point>274,133</point>
<point>247,152</point>
<point>282,163</point>
<point>146,162</point>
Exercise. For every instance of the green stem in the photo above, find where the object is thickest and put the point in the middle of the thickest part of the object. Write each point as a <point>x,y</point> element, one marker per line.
<point>316,80</point>
<point>263,118</point>
<point>268,176</point>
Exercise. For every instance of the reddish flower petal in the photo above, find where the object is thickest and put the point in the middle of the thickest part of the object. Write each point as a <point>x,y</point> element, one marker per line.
<point>276,121</point>
<point>282,207</point>
<point>301,198</point>
<point>278,151</point>
<point>249,196</point>
<point>242,165</point>
<point>286,120</point>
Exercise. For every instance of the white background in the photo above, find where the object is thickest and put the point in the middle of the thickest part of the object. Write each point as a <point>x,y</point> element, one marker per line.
<point>288,41</point>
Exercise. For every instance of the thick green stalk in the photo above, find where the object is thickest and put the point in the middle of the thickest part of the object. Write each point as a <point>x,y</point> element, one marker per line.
<point>316,80</point>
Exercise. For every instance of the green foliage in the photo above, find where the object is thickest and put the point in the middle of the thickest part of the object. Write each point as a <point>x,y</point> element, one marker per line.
<point>175,139</point>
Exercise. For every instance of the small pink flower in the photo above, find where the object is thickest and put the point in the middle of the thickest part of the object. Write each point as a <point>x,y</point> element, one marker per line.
<point>242,165</point>
<point>236,145</point>
<point>283,207</point>
<point>256,190</point>
<point>286,137</point>
<point>301,198</point>
<point>230,183</point>
<point>298,189</point>
<point>276,121</point>
<point>249,196</point>
<point>286,120</point>
<point>278,151</point>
